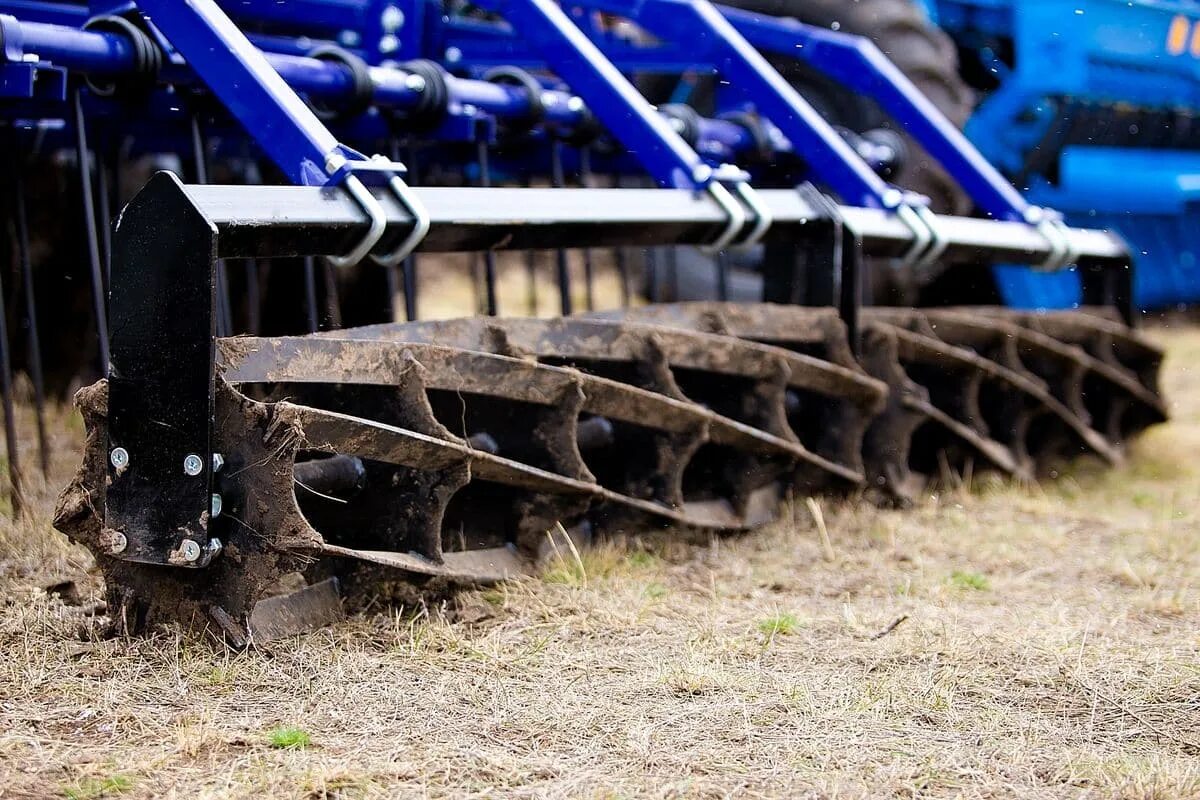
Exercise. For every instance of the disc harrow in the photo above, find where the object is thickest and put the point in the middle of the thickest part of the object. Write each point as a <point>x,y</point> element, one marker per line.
<point>452,449</point>
<point>391,453</point>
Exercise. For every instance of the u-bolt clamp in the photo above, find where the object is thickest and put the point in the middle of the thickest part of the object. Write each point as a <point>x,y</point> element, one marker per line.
<point>736,216</point>
<point>762,214</point>
<point>923,235</point>
<point>377,217</point>
<point>1061,254</point>
<point>937,245</point>
<point>724,177</point>
<point>375,214</point>
<point>409,200</point>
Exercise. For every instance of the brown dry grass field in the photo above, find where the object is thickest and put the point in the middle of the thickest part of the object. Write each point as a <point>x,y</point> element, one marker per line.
<point>995,641</point>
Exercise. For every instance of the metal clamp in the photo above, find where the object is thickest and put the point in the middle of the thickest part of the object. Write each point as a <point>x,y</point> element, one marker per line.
<point>922,234</point>
<point>735,212</point>
<point>937,244</point>
<point>421,221</point>
<point>762,214</point>
<point>375,214</point>
<point>1062,254</point>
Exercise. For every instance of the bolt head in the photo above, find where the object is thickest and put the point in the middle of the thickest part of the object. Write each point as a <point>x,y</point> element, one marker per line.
<point>391,19</point>
<point>193,465</point>
<point>453,55</point>
<point>117,542</point>
<point>575,103</point>
<point>190,550</point>
<point>216,505</point>
<point>388,44</point>
<point>415,82</point>
<point>702,173</point>
<point>892,198</point>
<point>119,457</point>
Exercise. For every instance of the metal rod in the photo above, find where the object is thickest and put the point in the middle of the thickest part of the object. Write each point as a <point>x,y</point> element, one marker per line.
<point>564,272</point>
<point>589,283</point>
<point>531,278</point>
<point>253,297</point>
<point>93,242</point>
<point>310,292</point>
<point>409,265</point>
<point>622,259</point>
<point>10,426</point>
<point>722,264</point>
<point>489,256</point>
<point>34,343</point>
<point>333,305</point>
<point>104,210</point>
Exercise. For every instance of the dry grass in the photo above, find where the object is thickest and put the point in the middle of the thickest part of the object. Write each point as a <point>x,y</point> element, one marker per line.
<point>1002,641</point>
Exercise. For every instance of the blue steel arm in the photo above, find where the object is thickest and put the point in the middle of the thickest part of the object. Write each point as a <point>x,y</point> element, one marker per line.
<point>284,127</point>
<point>701,25</point>
<point>856,62</point>
<point>240,77</point>
<point>548,31</point>
<point>625,112</point>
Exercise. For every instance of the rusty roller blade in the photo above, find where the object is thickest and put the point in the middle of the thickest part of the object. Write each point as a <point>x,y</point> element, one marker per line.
<point>435,453</point>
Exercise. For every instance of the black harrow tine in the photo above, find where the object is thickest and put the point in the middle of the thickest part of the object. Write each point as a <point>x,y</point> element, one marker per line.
<point>585,179</point>
<point>564,272</point>
<point>103,200</point>
<point>408,266</point>
<point>93,241</point>
<point>253,297</point>
<point>10,425</point>
<point>622,260</point>
<point>310,292</point>
<point>531,287</point>
<point>673,273</point>
<point>722,263</point>
<point>224,309</point>
<point>35,343</point>
<point>653,290</point>
<point>333,303</point>
<point>489,256</point>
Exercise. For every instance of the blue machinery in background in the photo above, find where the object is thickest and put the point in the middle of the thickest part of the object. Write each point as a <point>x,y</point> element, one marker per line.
<point>346,52</point>
<point>1090,106</point>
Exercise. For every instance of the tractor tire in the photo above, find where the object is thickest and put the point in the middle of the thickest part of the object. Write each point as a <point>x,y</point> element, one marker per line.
<point>925,53</point>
